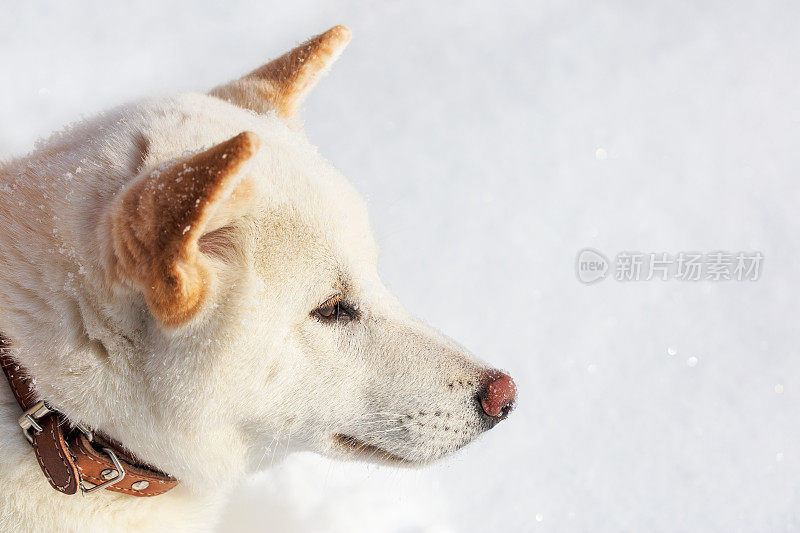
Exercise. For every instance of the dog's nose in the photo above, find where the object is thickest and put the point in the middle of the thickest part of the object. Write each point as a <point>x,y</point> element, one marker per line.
<point>498,393</point>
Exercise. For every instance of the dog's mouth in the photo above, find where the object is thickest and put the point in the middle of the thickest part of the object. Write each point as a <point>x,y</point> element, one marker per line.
<point>368,452</point>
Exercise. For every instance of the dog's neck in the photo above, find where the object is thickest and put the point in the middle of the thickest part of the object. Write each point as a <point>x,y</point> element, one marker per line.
<point>52,263</point>
<point>29,503</point>
<point>71,456</point>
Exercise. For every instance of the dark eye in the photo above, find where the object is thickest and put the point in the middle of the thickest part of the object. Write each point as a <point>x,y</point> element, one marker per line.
<point>335,309</point>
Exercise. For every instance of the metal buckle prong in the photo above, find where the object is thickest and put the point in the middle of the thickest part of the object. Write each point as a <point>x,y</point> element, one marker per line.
<point>113,481</point>
<point>28,419</point>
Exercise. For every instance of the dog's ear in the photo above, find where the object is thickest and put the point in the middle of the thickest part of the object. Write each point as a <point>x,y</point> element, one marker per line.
<point>282,84</point>
<point>159,218</point>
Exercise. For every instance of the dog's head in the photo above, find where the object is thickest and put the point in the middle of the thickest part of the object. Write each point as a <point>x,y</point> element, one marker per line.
<point>237,312</point>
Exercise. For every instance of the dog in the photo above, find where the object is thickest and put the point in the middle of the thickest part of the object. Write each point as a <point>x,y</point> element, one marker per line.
<point>188,292</point>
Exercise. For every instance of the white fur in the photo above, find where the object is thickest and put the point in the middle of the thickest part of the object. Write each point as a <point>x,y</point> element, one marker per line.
<point>254,375</point>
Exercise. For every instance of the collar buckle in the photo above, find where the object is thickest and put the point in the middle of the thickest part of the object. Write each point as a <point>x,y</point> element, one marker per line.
<point>87,489</point>
<point>28,419</point>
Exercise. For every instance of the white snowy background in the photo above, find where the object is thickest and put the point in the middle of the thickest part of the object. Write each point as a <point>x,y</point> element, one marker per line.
<point>493,141</point>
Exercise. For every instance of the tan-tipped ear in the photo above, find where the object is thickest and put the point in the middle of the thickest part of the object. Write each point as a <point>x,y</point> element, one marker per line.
<point>159,218</point>
<point>283,83</point>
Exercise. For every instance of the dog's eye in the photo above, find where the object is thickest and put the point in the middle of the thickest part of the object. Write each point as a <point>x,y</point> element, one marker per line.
<point>335,310</point>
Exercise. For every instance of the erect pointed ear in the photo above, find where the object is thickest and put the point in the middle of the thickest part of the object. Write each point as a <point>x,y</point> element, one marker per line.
<point>159,218</point>
<point>283,83</point>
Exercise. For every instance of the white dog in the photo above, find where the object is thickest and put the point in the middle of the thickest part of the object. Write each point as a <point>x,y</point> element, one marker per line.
<point>190,286</point>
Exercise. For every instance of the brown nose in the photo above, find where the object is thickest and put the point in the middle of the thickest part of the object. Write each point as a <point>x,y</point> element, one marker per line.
<point>498,393</point>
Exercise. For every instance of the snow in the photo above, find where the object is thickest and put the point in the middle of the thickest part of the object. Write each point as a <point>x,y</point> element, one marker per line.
<point>494,142</point>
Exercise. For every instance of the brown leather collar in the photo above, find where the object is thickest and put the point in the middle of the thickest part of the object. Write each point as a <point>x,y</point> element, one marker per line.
<point>72,457</point>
